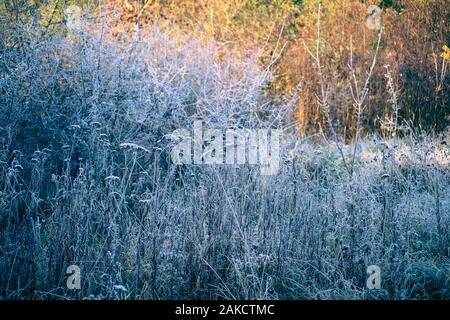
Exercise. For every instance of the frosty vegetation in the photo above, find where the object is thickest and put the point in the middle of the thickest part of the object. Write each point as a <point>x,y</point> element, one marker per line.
<point>86,179</point>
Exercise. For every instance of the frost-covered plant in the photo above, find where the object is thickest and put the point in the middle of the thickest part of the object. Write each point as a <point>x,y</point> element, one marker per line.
<point>85,180</point>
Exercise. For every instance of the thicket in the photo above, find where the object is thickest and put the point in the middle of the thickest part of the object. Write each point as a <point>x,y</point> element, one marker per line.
<point>85,175</point>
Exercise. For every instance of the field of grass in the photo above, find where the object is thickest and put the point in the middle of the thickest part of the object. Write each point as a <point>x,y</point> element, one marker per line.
<point>86,179</point>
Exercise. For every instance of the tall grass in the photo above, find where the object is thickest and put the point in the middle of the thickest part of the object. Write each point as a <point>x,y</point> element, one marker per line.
<point>86,179</point>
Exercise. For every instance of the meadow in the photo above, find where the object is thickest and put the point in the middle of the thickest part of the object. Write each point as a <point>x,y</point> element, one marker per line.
<point>86,177</point>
